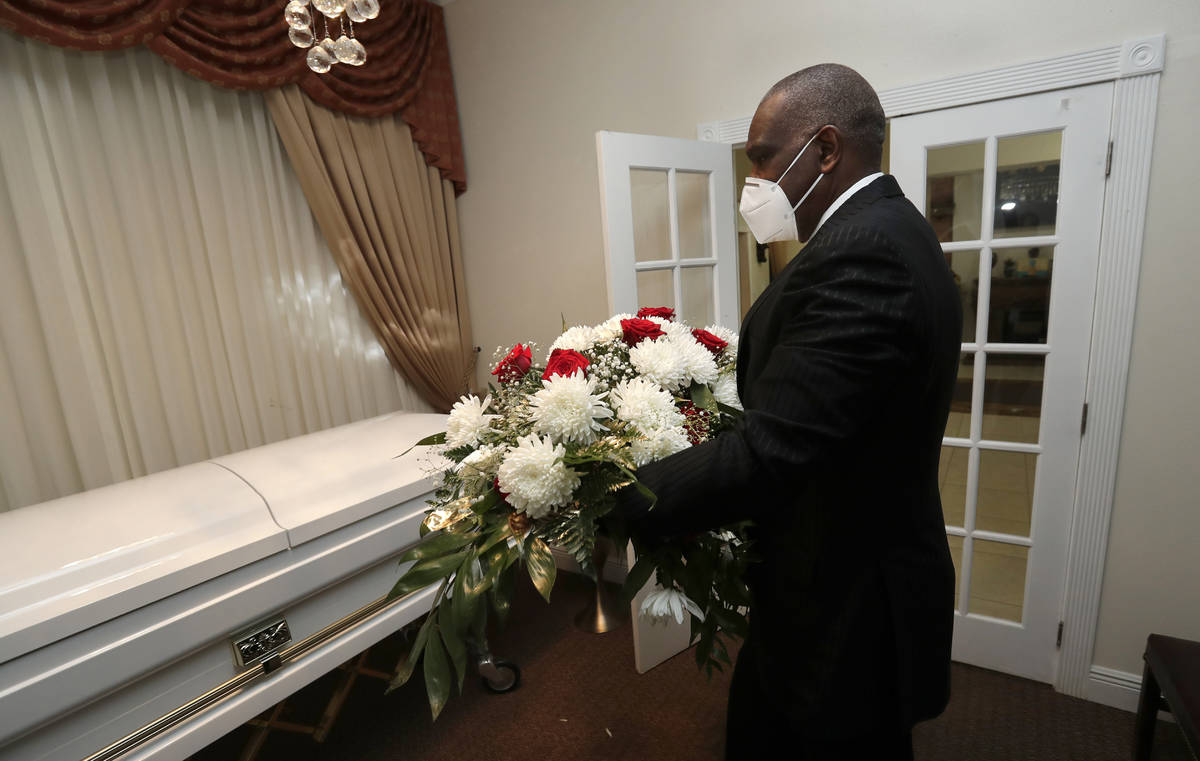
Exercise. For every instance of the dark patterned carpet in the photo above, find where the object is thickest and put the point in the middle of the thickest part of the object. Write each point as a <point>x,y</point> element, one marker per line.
<point>581,699</point>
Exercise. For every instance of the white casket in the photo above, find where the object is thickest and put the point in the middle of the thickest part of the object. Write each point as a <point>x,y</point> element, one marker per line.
<point>120,607</point>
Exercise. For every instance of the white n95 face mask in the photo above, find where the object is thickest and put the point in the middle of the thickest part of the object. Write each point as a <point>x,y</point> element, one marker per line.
<point>766,208</point>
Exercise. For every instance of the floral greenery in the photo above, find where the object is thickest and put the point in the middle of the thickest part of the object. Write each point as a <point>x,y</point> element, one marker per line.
<point>561,446</point>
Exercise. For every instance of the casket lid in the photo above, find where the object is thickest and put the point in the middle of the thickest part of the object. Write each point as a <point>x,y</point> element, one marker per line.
<point>75,562</point>
<point>318,483</point>
<point>71,563</point>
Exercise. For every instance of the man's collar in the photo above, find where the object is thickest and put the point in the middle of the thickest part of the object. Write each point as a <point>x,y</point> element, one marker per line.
<point>845,196</point>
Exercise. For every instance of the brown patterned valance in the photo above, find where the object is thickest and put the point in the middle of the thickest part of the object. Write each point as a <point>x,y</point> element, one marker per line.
<point>243,44</point>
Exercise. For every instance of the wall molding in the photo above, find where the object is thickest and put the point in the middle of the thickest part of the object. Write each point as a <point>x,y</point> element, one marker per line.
<point>1122,229</point>
<point>1117,689</point>
<point>1133,58</point>
<point>1135,66</point>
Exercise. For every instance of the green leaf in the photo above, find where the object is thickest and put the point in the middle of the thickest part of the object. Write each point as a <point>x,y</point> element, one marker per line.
<point>500,534</point>
<point>436,546</point>
<point>702,397</point>
<point>705,645</point>
<point>404,670</point>
<point>542,570</point>
<point>428,441</point>
<point>499,559</point>
<point>425,573</point>
<point>722,653</point>
<point>458,454</point>
<point>478,628</point>
<point>455,645</point>
<point>732,412</point>
<point>459,602</point>
<point>501,593</point>
<point>487,503</point>
<point>437,675</point>
<point>637,578</point>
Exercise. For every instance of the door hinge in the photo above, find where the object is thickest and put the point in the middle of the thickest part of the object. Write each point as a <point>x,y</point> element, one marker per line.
<point>1083,420</point>
<point>1108,161</point>
<point>1058,642</point>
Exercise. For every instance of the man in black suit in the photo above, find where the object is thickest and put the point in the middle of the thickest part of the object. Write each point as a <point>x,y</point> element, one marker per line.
<point>846,366</point>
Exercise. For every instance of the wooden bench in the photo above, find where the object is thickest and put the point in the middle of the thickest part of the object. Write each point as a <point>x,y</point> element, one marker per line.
<point>1171,682</point>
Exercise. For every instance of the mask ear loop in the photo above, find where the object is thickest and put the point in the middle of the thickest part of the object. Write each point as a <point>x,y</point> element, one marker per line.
<point>811,188</point>
<point>798,155</point>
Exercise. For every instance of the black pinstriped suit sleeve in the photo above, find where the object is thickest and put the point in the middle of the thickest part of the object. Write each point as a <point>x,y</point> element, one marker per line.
<point>825,352</point>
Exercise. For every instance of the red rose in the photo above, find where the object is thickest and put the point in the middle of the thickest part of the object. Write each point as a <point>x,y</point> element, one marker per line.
<point>667,313</point>
<point>637,329</point>
<point>565,362</point>
<point>515,365</point>
<point>709,341</point>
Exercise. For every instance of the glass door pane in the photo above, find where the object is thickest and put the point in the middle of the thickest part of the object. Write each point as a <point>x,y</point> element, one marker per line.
<point>1027,184</point>
<point>954,191</point>
<point>656,288</point>
<point>698,308</point>
<point>651,201</point>
<point>998,579</point>
<point>695,219</point>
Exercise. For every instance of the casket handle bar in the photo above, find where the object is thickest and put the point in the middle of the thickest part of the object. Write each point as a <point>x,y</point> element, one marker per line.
<point>259,670</point>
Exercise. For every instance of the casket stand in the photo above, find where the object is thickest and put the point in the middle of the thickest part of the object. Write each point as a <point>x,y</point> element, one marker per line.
<point>145,619</point>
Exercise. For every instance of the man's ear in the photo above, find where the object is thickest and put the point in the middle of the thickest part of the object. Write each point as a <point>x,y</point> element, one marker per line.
<point>831,143</point>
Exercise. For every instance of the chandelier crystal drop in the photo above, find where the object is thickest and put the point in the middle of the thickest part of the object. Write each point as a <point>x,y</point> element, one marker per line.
<point>350,51</point>
<point>369,9</point>
<point>309,26</point>
<point>330,8</point>
<point>301,37</point>
<point>297,15</point>
<point>319,59</point>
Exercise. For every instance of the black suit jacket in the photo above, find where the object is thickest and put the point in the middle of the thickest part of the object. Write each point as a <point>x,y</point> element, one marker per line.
<point>846,366</point>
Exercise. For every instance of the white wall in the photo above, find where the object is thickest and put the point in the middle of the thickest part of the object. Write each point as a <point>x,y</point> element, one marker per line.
<point>537,78</point>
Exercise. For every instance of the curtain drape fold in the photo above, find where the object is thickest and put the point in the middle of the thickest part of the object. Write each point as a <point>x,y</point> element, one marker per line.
<point>167,296</point>
<point>243,44</point>
<point>391,223</point>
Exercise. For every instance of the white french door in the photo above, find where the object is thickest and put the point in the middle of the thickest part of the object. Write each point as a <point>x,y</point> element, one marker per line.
<point>1015,190</point>
<point>670,240</point>
<point>669,235</point>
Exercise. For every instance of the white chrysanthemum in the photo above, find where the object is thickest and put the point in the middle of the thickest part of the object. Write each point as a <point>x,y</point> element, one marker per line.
<point>661,605</point>
<point>657,444</point>
<point>661,361</point>
<point>467,420</point>
<point>535,477</point>
<point>724,390</point>
<point>569,409</point>
<point>728,336</point>
<point>611,329</point>
<point>672,328</point>
<point>580,338</point>
<point>699,362</point>
<point>645,405</point>
<point>479,468</point>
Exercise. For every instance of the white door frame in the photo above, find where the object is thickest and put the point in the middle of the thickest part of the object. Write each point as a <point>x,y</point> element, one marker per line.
<point>1136,67</point>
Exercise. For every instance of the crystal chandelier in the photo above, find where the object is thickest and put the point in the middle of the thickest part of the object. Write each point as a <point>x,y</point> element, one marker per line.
<point>305,23</point>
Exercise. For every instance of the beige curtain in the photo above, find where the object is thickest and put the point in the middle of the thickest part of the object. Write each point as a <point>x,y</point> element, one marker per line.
<point>166,294</point>
<point>391,223</point>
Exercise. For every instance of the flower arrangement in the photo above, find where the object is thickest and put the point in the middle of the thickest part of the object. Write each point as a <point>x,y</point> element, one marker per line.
<point>536,463</point>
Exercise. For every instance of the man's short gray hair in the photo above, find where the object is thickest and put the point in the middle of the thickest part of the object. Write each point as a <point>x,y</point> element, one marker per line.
<point>830,93</point>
